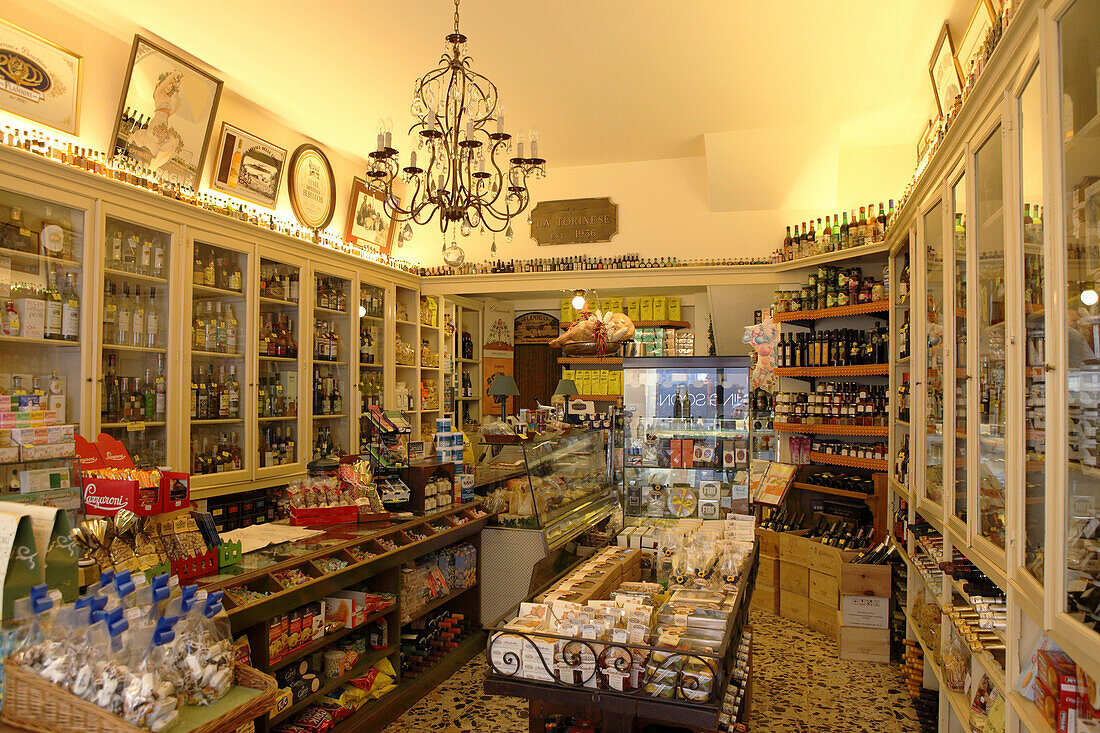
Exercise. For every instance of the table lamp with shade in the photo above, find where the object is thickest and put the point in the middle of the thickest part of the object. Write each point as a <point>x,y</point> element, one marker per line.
<point>566,388</point>
<point>500,389</point>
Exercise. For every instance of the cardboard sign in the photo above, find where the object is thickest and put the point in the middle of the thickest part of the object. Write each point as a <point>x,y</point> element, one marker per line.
<point>113,452</point>
<point>89,454</point>
<point>19,560</point>
<point>867,612</point>
<point>58,566</point>
<point>775,483</point>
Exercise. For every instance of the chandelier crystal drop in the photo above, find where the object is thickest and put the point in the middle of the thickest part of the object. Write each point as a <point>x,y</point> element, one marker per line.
<point>464,167</point>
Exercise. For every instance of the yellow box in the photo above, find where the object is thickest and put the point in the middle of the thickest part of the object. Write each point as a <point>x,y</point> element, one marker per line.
<point>633,310</point>
<point>618,303</point>
<point>674,311</point>
<point>646,311</point>
<point>600,383</point>
<point>584,381</point>
<point>606,304</point>
<point>566,310</point>
<point>569,374</point>
<point>615,385</point>
<point>660,308</point>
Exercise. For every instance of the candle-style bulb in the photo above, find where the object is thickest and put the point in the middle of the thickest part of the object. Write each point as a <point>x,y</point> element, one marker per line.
<point>534,143</point>
<point>519,146</point>
<point>412,159</point>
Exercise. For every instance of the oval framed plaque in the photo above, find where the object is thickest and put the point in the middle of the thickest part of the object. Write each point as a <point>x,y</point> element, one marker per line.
<point>312,187</point>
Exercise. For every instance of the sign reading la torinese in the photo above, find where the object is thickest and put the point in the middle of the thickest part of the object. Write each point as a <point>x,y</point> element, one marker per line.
<point>575,221</point>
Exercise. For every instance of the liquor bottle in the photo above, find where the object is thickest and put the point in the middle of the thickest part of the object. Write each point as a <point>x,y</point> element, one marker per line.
<point>235,458</point>
<point>335,399</point>
<point>198,330</point>
<point>110,314</point>
<point>233,390</point>
<point>677,405</point>
<point>202,397</point>
<point>152,321</point>
<point>158,258</point>
<point>137,325</point>
<point>198,275</point>
<point>70,310</point>
<point>194,394</point>
<point>210,270</point>
<point>223,395</point>
<point>148,396</point>
<point>880,224</point>
<point>291,341</point>
<point>114,249</point>
<point>231,329</point>
<point>111,392</point>
<point>210,337</point>
<point>160,388</point>
<point>845,232</point>
<point>53,308</point>
<point>145,257</point>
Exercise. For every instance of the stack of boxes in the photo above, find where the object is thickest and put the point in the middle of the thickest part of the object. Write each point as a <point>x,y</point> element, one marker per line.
<point>597,576</point>
<point>766,594</point>
<point>595,381</point>
<point>865,612</point>
<point>32,416</point>
<point>449,447</point>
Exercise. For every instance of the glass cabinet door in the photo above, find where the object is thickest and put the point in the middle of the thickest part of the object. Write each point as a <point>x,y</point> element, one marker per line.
<point>934,358</point>
<point>372,355</point>
<point>989,242</point>
<point>1031,176</point>
<point>331,365</point>
<point>135,311</point>
<point>278,388</point>
<point>41,296</point>
<point>1080,125</point>
<point>962,378</point>
<point>219,338</point>
<point>901,345</point>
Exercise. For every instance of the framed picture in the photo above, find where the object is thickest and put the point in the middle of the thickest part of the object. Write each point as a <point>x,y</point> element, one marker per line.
<point>39,80</point>
<point>944,72</point>
<point>312,187</point>
<point>166,113</point>
<point>368,223</point>
<point>248,167</point>
<point>981,21</point>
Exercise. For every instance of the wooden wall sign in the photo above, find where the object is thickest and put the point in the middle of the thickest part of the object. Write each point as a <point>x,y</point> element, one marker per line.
<point>575,221</point>
<point>536,328</point>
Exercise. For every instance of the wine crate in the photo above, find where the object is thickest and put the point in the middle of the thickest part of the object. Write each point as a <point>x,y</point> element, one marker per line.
<point>794,548</point>
<point>865,580</point>
<point>825,618</point>
<point>826,559</point>
<point>768,573</point>
<point>794,606</point>
<point>865,645</point>
<point>824,589</point>
<point>768,542</point>
<point>794,578</point>
<point>766,597</point>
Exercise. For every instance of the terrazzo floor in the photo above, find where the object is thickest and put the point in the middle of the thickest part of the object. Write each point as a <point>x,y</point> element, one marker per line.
<point>801,686</point>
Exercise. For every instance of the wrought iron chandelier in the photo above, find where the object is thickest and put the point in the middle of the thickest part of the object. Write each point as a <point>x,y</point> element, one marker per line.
<point>471,177</point>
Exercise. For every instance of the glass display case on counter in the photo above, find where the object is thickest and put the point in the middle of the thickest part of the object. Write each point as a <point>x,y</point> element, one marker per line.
<point>686,436</point>
<point>545,492</point>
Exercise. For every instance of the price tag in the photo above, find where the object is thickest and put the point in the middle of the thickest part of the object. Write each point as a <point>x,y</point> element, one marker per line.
<point>135,427</point>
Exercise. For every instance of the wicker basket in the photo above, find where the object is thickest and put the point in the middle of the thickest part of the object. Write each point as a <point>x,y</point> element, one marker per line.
<point>33,703</point>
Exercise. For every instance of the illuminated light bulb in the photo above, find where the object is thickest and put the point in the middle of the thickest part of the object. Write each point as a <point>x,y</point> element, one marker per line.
<point>578,300</point>
<point>362,311</point>
<point>1089,297</point>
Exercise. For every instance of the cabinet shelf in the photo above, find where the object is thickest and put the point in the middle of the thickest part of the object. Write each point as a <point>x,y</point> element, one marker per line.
<point>110,272</point>
<point>211,291</point>
<point>135,349</point>
<point>370,365</point>
<point>832,491</point>
<point>859,309</point>
<point>330,311</point>
<point>39,341</point>
<point>365,663</point>
<point>330,417</point>
<point>284,359</point>
<point>869,430</point>
<point>468,361</point>
<point>326,362</point>
<point>898,489</point>
<point>283,418</point>
<point>399,322</point>
<point>72,264</point>
<point>609,360</point>
<point>373,319</point>
<point>433,605</point>
<point>278,302</point>
<point>217,421</point>
<point>858,370</point>
<point>127,424</point>
<point>598,397</point>
<point>873,464</point>
<point>215,355</point>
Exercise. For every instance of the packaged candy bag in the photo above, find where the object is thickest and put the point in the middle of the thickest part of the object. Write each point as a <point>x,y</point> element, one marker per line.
<point>149,698</point>
<point>203,653</point>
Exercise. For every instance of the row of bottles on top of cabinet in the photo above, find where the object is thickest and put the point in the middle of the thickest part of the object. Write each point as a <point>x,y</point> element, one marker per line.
<point>215,398</point>
<point>279,283</point>
<point>214,330</point>
<point>132,320</point>
<point>840,234</point>
<point>130,399</point>
<point>837,347</point>
<point>216,455</point>
<point>216,269</point>
<point>137,252</point>
<point>332,293</point>
<point>59,317</point>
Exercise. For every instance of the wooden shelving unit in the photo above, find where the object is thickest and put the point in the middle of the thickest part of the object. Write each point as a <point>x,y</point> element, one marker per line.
<point>858,370</point>
<point>848,461</point>
<point>867,430</point>
<point>860,309</point>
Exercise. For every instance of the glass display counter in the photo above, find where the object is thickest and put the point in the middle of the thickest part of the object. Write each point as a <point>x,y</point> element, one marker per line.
<point>686,436</point>
<point>543,492</point>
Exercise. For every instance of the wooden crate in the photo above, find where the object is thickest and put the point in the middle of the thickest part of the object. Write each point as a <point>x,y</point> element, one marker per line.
<point>824,589</point>
<point>865,580</point>
<point>768,572</point>
<point>768,542</point>
<point>827,560</point>
<point>824,618</point>
<point>766,597</point>
<point>794,606</point>
<point>794,578</point>
<point>794,548</point>
<point>865,645</point>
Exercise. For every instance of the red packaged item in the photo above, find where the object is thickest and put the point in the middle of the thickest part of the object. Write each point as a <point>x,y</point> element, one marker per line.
<point>1056,690</point>
<point>1088,699</point>
<point>315,720</point>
